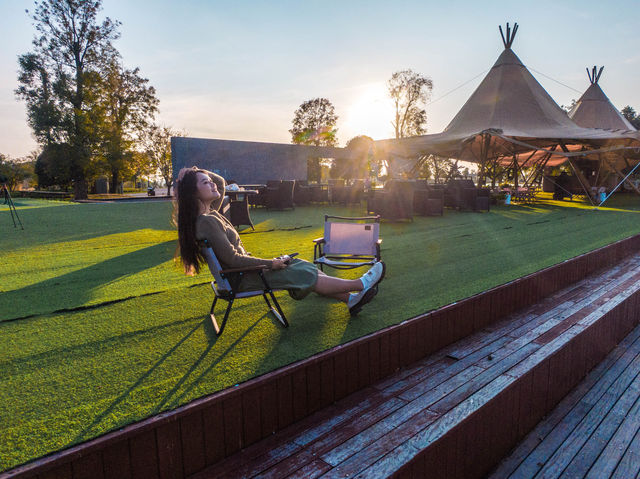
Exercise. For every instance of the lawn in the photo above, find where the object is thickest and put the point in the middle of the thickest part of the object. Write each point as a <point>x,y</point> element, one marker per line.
<point>99,328</point>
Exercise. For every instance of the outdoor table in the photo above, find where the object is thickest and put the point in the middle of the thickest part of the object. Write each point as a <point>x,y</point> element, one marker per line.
<point>239,206</point>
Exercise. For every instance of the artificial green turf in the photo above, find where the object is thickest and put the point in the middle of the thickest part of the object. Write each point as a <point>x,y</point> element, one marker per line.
<point>77,358</point>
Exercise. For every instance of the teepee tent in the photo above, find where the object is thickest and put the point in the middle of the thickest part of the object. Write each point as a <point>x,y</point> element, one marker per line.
<point>510,119</point>
<point>595,110</point>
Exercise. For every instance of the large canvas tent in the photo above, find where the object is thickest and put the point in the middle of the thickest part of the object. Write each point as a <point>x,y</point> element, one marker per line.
<point>510,119</point>
<point>594,110</point>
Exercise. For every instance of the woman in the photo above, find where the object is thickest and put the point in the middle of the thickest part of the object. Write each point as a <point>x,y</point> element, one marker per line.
<point>199,198</point>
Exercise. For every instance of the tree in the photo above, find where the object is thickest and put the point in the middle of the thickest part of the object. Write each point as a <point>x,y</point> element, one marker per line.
<point>409,91</point>
<point>129,104</point>
<point>630,114</point>
<point>45,114</point>
<point>359,165</point>
<point>314,123</point>
<point>70,47</point>
<point>14,171</point>
<point>569,107</point>
<point>54,166</point>
<point>159,152</point>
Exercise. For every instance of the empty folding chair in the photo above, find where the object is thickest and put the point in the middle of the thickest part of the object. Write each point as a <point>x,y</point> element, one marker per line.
<point>348,243</point>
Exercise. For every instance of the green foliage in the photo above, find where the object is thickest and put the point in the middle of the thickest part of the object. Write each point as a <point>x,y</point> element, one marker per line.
<point>360,165</point>
<point>630,114</point>
<point>409,91</point>
<point>314,123</point>
<point>57,79</point>
<point>129,105</point>
<point>159,152</point>
<point>14,171</point>
<point>112,332</point>
<point>54,166</point>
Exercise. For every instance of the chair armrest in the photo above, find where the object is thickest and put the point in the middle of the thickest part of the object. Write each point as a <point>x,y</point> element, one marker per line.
<point>245,270</point>
<point>319,240</point>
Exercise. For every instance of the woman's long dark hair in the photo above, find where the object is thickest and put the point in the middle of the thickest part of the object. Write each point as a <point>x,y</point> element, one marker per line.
<point>186,212</point>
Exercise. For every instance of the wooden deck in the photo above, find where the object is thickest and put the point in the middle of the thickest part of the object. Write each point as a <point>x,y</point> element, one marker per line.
<point>455,413</point>
<point>595,430</point>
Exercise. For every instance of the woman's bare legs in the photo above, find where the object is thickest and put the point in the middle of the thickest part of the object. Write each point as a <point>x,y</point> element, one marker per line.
<point>337,288</point>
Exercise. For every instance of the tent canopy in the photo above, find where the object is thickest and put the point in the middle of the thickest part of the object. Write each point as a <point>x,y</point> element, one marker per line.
<point>509,115</point>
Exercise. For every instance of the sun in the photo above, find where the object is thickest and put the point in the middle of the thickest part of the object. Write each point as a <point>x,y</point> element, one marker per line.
<point>370,113</point>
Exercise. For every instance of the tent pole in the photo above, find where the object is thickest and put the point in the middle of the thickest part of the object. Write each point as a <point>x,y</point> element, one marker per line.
<point>621,175</point>
<point>583,180</point>
<point>618,186</point>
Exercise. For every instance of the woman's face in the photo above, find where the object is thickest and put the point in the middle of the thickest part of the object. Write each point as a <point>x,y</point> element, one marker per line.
<point>207,189</point>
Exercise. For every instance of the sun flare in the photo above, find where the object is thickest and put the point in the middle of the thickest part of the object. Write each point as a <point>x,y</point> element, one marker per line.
<point>371,112</point>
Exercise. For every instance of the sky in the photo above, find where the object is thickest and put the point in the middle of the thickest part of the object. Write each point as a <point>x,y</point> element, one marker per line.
<point>239,69</point>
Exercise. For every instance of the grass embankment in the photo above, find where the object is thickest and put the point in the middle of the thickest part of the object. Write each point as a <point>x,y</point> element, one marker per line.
<point>99,328</point>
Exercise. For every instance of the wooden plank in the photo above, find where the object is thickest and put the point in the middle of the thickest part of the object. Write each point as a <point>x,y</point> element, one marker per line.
<point>117,464</point>
<point>299,393</point>
<point>478,381</point>
<point>314,387</point>
<point>374,360</point>
<point>269,408</point>
<point>404,353</point>
<point>374,451</point>
<point>394,353</point>
<point>232,419</point>
<point>251,417</point>
<point>241,466</point>
<point>629,465</point>
<point>364,367</point>
<point>213,427</point>
<point>337,445</point>
<point>341,413</point>
<point>443,371</point>
<point>570,411</point>
<point>88,467</point>
<point>63,471</point>
<point>340,374</point>
<point>285,401</point>
<point>606,431</point>
<point>416,411</point>
<point>327,382</point>
<point>319,442</point>
<point>169,450</point>
<point>585,428</point>
<point>385,368</point>
<point>312,470</point>
<point>192,437</point>
<point>144,455</point>
<point>620,441</point>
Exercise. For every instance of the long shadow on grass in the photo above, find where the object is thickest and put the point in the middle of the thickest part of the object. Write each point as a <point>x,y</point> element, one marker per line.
<point>212,341</point>
<point>74,290</point>
<point>86,432</point>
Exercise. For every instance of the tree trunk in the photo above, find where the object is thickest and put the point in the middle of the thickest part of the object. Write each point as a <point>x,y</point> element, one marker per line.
<point>115,179</point>
<point>80,189</point>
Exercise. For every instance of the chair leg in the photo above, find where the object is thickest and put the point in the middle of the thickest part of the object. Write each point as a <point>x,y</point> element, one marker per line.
<point>220,328</point>
<point>212,315</point>
<point>278,314</point>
